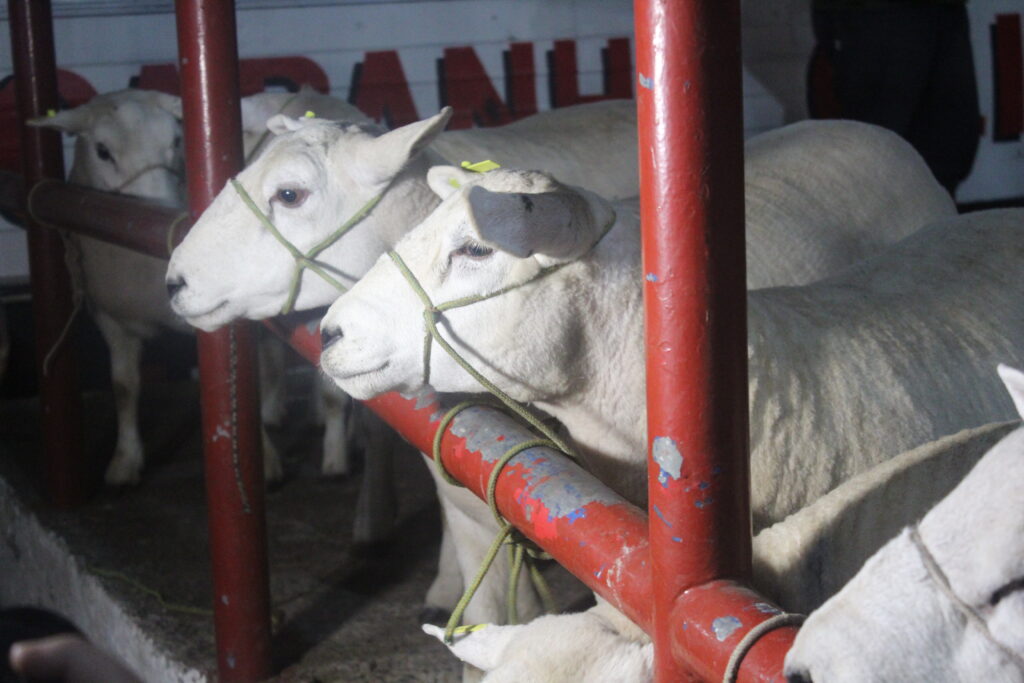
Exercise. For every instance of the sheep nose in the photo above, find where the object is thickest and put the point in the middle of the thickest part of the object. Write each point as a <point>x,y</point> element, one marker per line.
<point>174,285</point>
<point>328,336</point>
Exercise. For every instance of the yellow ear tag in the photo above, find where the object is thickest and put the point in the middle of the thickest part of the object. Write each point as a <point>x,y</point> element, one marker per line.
<point>454,183</point>
<point>480,166</point>
<point>309,115</point>
<point>50,113</point>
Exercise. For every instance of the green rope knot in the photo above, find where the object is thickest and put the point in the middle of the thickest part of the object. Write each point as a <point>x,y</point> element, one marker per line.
<point>522,550</point>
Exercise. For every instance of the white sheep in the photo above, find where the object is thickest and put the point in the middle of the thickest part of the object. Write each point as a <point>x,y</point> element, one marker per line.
<point>819,195</point>
<point>844,373</point>
<point>334,169</point>
<point>943,600</point>
<point>129,141</point>
<point>355,162</point>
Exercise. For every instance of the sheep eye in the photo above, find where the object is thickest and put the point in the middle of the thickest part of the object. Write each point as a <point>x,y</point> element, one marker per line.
<point>291,197</point>
<point>103,153</point>
<point>474,251</point>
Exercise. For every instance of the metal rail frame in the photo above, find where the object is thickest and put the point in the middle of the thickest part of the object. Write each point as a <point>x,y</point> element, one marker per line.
<point>677,571</point>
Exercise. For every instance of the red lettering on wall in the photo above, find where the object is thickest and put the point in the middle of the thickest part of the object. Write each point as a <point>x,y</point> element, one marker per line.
<point>465,87</point>
<point>74,90</point>
<point>521,77</point>
<point>564,73</point>
<point>380,91</point>
<point>254,75</point>
<point>1008,73</point>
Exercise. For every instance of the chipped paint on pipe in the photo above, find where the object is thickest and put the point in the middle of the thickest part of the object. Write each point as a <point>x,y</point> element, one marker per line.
<point>590,530</point>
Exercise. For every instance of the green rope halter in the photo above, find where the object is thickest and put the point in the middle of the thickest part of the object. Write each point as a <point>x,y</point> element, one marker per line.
<point>521,550</point>
<point>308,259</point>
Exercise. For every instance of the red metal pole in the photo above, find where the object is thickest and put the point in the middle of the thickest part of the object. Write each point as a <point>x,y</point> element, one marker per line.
<point>208,59</point>
<point>690,121</point>
<point>35,69</point>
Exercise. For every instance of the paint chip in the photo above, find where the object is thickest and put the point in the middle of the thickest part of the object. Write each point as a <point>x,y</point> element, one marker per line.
<point>646,82</point>
<point>725,627</point>
<point>666,453</point>
<point>651,277</point>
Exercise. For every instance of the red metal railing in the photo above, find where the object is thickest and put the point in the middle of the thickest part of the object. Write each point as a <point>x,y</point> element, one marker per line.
<point>232,452</point>
<point>56,363</point>
<point>682,582</point>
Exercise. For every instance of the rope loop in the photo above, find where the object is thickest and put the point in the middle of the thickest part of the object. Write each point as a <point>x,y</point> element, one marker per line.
<point>732,669</point>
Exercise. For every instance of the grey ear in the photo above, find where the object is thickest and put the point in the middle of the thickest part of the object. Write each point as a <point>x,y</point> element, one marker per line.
<point>169,103</point>
<point>562,223</point>
<point>388,154</point>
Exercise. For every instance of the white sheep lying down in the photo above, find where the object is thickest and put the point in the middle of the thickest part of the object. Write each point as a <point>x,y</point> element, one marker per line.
<point>943,600</point>
<point>799,562</point>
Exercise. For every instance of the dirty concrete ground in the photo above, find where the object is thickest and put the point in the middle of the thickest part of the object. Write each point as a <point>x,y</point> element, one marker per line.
<point>340,613</point>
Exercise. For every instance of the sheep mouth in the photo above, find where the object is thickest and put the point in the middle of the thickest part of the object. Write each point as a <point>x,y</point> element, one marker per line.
<point>352,374</point>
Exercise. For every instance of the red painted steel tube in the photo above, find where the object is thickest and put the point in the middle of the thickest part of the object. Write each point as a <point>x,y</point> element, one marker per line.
<point>208,59</point>
<point>129,222</point>
<point>35,67</point>
<point>138,224</point>
<point>690,121</point>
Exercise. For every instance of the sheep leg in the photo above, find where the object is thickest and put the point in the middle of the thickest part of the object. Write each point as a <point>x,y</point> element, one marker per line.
<point>125,355</point>
<point>447,586</point>
<point>473,528</point>
<point>273,380</point>
<point>337,452</point>
<point>377,504</point>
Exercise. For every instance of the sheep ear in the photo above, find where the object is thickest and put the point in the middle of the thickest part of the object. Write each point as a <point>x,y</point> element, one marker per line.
<point>562,223</point>
<point>1014,381</point>
<point>447,180</point>
<point>386,155</point>
<point>280,123</point>
<point>483,649</point>
<point>70,121</point>
<point>169,103</point>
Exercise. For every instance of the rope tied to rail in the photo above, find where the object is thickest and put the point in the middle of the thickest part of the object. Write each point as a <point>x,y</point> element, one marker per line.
<point>71,253</point>
<point>307,260</point>
<point>522,551</point>
<point>781,620</point>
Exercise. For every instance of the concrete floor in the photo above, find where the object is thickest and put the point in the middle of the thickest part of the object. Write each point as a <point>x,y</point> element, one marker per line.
<point>131,566</point>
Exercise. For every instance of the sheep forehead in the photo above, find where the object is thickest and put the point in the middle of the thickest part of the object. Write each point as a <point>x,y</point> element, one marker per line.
<point>516,180</point>
<point>122,124</point>
<point>318,139</point>
<point>293,161</point>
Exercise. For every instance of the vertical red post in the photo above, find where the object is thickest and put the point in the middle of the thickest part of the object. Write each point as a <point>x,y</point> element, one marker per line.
<point>691,170</point>
<point>208,54</point>
<point>35,68</point>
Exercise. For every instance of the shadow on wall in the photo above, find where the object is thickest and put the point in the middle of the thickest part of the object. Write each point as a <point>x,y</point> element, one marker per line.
<point>777,43</point>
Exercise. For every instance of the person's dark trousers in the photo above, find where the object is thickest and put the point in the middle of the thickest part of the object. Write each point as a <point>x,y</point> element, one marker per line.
<point>908,67</point>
